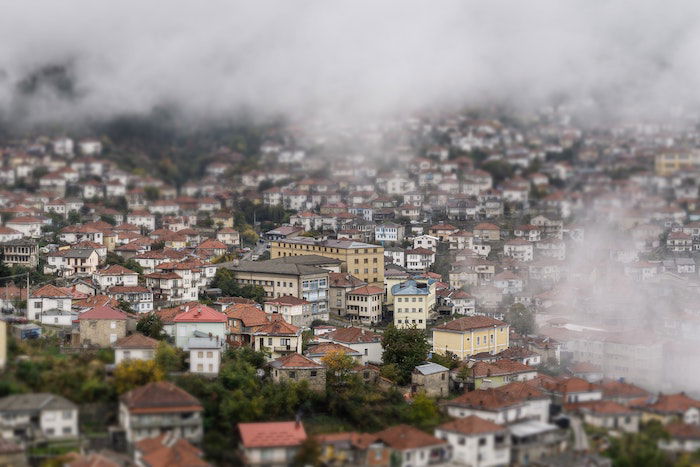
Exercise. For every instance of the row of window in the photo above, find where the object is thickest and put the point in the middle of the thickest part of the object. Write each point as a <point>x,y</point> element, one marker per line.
<point>366,260</point>
<point>412,299</point>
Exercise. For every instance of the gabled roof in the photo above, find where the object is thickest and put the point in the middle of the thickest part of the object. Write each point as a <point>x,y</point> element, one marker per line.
<point>161,396</point>
<point>471,425</point>
<point>51,291</point>
<point>366,290</point>
<point>278,328</point>
<point>102,312</point>
<point>250,315</point>
<point>404,437</point>
<point>167,450</point>
<point>35,402</point>
<point>271,434</point>
<point>294,360</point>
<point>136,341</point>
<point>468,323</point>
<point>200,314</point>
<point>353,335</point>
<point>325,348</point>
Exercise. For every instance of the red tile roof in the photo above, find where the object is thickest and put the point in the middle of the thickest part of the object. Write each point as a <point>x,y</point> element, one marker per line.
<point>403,437</point>
<point>200,314</point>
<point>295,360</point>
<point>102,312</point>
<point>136,341</point>
<point>471,425</point>
<point>168,451</point>
<point>353,335</point>
<point>470,322</point>
<point>161,396</point>
<point>271,434</point>
<point>367,290</point>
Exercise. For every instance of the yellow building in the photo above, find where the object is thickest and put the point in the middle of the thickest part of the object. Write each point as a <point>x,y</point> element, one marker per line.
<point>363,260</point>
<point>471,335</point>
<point>414,303</point>
<point>671,161</point>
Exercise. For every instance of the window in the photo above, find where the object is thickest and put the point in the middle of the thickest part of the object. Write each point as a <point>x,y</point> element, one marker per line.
<point>210,354</point>
<point>482,441</point>
<point>113,325</point>
<point>313,373</point>
<point>366,351</point>
<point>67,414</point>
<point>292,374</point>
<point>462,441</point>
<point>127,354</point>
<point>67,430</point>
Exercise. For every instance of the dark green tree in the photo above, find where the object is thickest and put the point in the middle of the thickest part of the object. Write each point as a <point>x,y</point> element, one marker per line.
<point>405,348</point>
<point>151,325</point>
<point>521,319</point>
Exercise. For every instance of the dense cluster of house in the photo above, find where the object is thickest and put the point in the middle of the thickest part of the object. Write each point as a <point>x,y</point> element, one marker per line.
<point>594,233</point>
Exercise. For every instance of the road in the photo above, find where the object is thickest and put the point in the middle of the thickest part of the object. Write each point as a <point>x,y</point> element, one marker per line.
<point>255,252</point>
<point>580,438</point>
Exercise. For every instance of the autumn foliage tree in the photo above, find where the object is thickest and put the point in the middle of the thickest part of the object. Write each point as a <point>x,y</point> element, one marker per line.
<point>131,374</point>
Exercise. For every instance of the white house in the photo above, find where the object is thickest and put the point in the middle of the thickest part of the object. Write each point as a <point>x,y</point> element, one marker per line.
<point>364,341</point>
<point>29,417</point>
<point>428,242</point>
<point>134,347</point>
<point>115,275</point>
<point>476,441</point>
<point>205,354</point>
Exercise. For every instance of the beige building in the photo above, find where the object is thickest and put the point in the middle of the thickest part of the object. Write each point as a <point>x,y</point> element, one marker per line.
<point>278,338</point>
<point>102,326</point>
<point>280,279</point>
<point>363,260</point>
<point>431,378</point>
<point>364,304</point>
<point>3,344</point>
<point>674,160</point>
<point>22,252</point>
<point>470,335</point>
<point>414,303</point>
<point>296,368</point>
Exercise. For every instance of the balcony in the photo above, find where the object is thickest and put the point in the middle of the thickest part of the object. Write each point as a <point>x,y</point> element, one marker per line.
<point>284,348</point>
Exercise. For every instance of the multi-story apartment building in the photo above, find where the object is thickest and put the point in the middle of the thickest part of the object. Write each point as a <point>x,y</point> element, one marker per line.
<point>22,252</point>
<point>364,304</point>
<point>279,278</point>
<point>363,260</point>
<point>470,335</point>
<point>414,303</point>
<point>151,410</point>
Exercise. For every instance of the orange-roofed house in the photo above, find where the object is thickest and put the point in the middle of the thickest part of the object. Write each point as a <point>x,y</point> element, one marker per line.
<point>683,437</point>
<point>364,304</point>
<point>243,320</point>
<point>367,342</point>
<point>470,335</point>
<point>270,443</point>
<point>482,374</point>
<point>102,326</point>
<point>134,347</point>
<point>573,390</point>
<point>159,408</point>
<point>414,447</point>
<point>670,408</point>
<point>296,311</point>
<point>295,367</point>
<point>476,441</point>
<point>507,404</point>
<point>211,248</point>
<point>199,321</point>
<point>318,352</point>
<point>607,414</point>
<point>278,338</point>
<point>168,450</point>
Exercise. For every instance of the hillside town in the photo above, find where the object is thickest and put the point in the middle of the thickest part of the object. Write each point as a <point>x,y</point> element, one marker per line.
<point>477,288</point>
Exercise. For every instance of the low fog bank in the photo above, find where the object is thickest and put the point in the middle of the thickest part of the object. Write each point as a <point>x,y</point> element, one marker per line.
<point>85,61</point>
